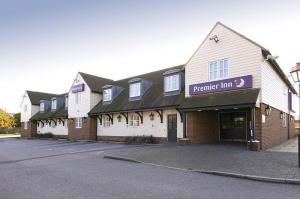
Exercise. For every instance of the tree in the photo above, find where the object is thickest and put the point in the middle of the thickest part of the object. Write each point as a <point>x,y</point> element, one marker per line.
<point>6,120</point>
<point>17,119</point>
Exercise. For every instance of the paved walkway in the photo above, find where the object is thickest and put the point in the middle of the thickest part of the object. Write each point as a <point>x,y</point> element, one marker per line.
<point>220,158</point>
<point>290,146</point>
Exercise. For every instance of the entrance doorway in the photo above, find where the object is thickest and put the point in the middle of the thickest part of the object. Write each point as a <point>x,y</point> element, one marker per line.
<point>233,126</point>
<point>172,128</point>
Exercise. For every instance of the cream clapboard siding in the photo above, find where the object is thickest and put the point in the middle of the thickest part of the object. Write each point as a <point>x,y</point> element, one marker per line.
<point>274,91</point>
<point>88,100</point>
<point>154,128</point>
<point>60,129</point>
<point>95,99</point>
<point>31,109</point>
<point>244,57</point>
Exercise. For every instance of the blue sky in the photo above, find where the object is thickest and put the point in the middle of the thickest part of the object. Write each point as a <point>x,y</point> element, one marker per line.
<point>43,44</point>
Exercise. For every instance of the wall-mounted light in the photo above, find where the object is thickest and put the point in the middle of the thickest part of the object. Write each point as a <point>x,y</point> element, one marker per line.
<point>119,118</point>
<point>215,38</point>
<point>151,116</point>
<point>281,115</point>
<point>268,110</point>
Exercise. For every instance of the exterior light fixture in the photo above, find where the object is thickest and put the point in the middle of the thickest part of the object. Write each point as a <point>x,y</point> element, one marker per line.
<point>215,38</point>
<point>119,118</point>
<point>151,116</point>
<point>281,115</point>
<point>268,110</point>
<point>295,73</point>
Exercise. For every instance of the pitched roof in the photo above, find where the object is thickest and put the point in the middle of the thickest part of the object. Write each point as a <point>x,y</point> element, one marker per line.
<point>230,99</point>
<point>36,97</point>
<point>153,98</point>
<point>94,82</point>
<point>265,52</point>
<point>59,113</point>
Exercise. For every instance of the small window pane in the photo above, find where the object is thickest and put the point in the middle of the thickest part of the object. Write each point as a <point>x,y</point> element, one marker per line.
<point>107,95</point>
<point>172,83</point>
<point>42,107</point>
<point>78,122</point>
<point>135,89</point>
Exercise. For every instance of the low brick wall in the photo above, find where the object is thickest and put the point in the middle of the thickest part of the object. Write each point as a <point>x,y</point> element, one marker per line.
<point>124,138</point>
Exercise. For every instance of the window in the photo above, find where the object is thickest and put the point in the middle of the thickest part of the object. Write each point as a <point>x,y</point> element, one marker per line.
<point>66,102</point>
<point>106,121</point>
<point>107,95</point>
<point>213,71</point>
<point>218,69</point>
<point>42,107</point>
<point>25,125</point>
<point>172,83</point>
<point>77,98</point>
<point>134,120</point>
<point>135,89</point>
<point>284,120</point>
<point>78,122</point>
<point>53,126</point>
<point>53,104</point>
<point>25,108</point>
<point>223,68</point>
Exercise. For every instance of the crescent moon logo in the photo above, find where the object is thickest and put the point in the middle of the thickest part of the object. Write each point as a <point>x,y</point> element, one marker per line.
<point>240,84</point>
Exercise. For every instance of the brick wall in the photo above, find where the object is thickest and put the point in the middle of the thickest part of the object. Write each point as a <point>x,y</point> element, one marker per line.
<point>87,132</point>
<point>202,127</point>
<point>272,132</point>
<point>30,131</point>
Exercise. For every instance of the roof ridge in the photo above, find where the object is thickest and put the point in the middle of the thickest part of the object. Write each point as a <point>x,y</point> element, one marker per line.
<point>94,76</point>
<point>136,76</point>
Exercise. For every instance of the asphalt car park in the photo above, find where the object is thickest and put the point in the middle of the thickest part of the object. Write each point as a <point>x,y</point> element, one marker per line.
<point>63,169</point>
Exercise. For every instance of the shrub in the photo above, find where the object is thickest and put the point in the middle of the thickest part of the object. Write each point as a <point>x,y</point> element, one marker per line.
<point>45,135</point>
<point>141,140</point>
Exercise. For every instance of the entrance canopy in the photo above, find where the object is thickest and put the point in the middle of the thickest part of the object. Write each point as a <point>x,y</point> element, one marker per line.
<point>221,100</point>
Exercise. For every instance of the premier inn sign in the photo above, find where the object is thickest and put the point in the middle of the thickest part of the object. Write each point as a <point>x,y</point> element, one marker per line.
<point>77,88</point>
<point>221,85</point>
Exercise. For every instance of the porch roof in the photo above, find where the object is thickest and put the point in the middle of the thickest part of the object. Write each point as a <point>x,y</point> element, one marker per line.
<point>230,99</point>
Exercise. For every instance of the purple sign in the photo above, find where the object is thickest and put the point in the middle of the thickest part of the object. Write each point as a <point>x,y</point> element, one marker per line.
<point>221,85</point>
<point>77,88</point>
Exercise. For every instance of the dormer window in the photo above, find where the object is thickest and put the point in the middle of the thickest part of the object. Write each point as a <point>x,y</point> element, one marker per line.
<point>107,95</point>
<point>42,107</point>
<point>53,104</point>
<point>172,83</point>
<point>135,89</point>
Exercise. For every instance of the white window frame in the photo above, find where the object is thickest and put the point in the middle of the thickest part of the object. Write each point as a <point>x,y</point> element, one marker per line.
<point>284,120</point>
<point>172,82</point>
<point>106,122</point>
<point>135,89</point>
<point>53,126</point>
<point>53,104</point>
<point>218,70</point>
<point>78,122</point>
<point>42,107</point>
<point>107,95</point>
<point>25,125</point>
<point>134,120</point>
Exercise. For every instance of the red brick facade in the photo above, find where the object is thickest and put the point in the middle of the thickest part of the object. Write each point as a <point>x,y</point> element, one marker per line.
<point>31,130</point>
<point>203,127</point>
<point>87,132</point>
<point>272,132</point>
